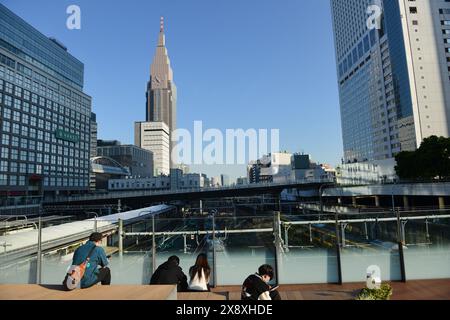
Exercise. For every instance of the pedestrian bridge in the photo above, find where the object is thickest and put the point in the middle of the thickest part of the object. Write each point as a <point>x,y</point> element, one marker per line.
<point>194,193</point>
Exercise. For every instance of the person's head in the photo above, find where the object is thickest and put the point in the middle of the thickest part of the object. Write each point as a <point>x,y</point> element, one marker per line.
<point>201,264</point>
<point>96,237</point>
<point>266,272</point>
<point>174,259</point>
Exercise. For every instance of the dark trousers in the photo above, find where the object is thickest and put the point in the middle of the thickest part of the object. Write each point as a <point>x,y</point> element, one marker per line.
<point>275,295</point>
<point>104,276</point>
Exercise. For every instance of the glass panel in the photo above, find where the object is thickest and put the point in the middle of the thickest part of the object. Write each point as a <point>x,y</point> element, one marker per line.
<point>427,253</point>
<point>367,244</point>
<point>18,250</point>
<point>186,243</point>
<point>131,268</point>
<point>309,251</point>
<point>240,254</point>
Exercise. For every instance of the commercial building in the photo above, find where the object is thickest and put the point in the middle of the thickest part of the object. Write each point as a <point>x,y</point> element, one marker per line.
<point>224,180</point>
<point>137,160</point>
<point>155,137</point>
<point>271,167</point>
<point>367,173</point>
<point>393,74</point>
<point>45,122</point>
<point>176,181</point>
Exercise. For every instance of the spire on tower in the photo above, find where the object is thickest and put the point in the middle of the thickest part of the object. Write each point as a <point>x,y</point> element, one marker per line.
<point>161,25</point>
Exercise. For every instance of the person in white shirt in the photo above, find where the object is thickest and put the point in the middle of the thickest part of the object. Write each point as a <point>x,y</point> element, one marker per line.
<point>200,274</point>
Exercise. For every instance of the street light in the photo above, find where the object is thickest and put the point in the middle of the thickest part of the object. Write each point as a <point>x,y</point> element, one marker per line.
<point>95,219</point>
<point>214,212</point>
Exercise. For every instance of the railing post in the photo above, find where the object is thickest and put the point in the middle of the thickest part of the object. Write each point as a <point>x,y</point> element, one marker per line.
<point>338,249</point>
<point>400,248</point>
<point>277,243</point>
<point>214,249</point>
<point>153,245</point>
<point>39,253</point>
<point>120,237</point>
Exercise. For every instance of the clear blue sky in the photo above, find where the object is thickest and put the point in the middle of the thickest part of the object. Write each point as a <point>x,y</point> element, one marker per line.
<point>237,64</point>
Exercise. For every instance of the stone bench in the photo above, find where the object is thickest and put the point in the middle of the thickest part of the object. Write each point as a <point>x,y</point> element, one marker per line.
<point>98,292</point>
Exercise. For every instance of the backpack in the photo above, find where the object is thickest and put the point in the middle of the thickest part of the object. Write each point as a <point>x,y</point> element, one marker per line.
<point>76,273</point>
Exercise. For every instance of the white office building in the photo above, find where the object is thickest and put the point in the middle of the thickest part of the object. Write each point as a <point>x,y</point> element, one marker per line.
<point>155,137</point>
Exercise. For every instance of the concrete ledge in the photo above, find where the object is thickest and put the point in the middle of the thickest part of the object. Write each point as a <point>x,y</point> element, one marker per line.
<point>98,292</point>
<point>202,296</point>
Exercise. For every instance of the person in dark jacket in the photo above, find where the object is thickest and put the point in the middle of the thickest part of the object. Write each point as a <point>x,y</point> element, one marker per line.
<point>256,286</point>
<point>170,273</point>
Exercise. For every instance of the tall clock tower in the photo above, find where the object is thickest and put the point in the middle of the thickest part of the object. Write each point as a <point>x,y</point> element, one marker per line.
<point>161,92</point>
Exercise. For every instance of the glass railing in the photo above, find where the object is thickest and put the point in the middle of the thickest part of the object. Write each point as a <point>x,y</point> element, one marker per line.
<point>303,248</point>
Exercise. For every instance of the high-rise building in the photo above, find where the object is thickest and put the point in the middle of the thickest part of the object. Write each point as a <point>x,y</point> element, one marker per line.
<point>45,122</point>
<point>394,74</point>
<point>154,136</point>
<point>161,92</point>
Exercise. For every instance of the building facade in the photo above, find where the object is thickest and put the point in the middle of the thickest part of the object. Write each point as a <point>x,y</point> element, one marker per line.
<point>393,74</point>
<point>138,161</point>
<point>161,95</point>
<point>367,173</point>
<point>93,152</point>
<point>45,123</point>
<point>155,137</point>
<point>176,181</point>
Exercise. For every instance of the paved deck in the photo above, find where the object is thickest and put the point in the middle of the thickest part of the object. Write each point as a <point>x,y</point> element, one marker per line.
<point>411,290</point>
<point>116,292</point>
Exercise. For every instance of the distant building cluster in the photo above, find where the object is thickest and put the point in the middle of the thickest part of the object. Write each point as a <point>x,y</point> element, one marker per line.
<point>287,167</point>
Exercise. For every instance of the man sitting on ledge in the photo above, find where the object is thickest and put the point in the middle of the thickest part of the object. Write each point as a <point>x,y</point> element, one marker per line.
<point>256,286</point>
<point>170,272</point>
<point>93,274</point>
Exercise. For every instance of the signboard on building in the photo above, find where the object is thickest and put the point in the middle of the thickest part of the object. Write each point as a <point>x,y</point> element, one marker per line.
<point>67,136</point>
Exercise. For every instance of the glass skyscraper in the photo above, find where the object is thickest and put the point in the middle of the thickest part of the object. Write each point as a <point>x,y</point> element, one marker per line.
<point>45,118</point>
<point>393,69</point>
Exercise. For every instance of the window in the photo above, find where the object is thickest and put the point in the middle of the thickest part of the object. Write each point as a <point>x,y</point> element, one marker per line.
<point>4,166</point>
<point>3,180</point>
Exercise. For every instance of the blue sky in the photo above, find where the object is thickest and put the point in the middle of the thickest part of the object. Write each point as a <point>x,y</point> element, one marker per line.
<point>237,64</point>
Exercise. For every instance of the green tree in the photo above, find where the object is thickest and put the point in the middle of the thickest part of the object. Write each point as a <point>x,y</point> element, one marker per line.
<point>430,161</point>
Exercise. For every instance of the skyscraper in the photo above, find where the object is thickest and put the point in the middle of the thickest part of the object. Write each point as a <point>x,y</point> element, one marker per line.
<point>161,108</point>
<point>45,117</point>
<point>393,67</point>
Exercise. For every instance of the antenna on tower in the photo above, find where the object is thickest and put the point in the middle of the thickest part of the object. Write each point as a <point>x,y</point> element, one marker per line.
<point>161,29</point>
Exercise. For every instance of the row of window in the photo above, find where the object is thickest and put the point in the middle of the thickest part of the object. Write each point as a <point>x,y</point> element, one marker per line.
<point>13,180</point>
<point>74,101</point>
<point>35,99</point>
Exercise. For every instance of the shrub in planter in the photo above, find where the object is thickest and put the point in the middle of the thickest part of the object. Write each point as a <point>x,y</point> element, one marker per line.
<point>384,293</point>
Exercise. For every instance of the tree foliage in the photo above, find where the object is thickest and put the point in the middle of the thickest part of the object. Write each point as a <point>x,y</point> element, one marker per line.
<point>430,161</point>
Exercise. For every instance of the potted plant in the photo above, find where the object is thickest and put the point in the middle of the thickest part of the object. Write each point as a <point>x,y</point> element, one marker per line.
<point>383,293</point>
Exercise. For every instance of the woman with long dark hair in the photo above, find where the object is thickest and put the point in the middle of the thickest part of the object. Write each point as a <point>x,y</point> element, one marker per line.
<point>200,274</point>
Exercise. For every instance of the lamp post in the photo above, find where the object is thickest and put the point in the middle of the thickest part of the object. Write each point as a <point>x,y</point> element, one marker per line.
<point>214,247</point>
<point>95,219</point>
